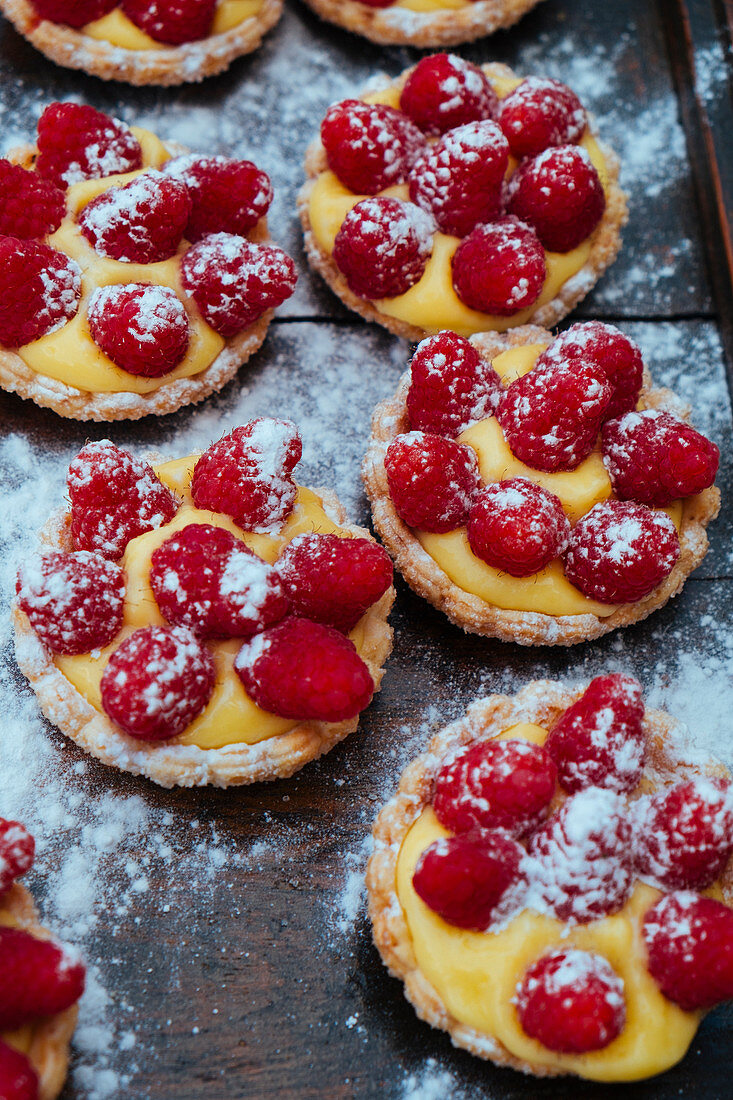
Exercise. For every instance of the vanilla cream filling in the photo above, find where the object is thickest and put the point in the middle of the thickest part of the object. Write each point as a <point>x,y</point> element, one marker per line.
<point>116,29</point>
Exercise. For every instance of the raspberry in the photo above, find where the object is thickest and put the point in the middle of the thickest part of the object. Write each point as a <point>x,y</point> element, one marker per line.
<point>30,206</point>
<point>18,1079</point>
<point>686,833</point>
<point>143,329</point>
<point>571,1001</point>
<point>300,669</point>
<point>229,196</point>
<point>599,741</point>
<point>541,113</point>
<point>234,282</point>
<point>552,415</point>
<point>247,474</point>
<point>114,498</point>
<point>205,578</point>
<point>444,91</point>
<point>73,13</point>
<point>174,22</point>
<point>689,942</point>
<point>463,881</point>
<point>37,978</point>
<point>605,347</point>
<point>17,849</point>
<point>459,179</point>
<point>383,247</point>
<point>655,458</point>
<point>517,526</point>
<point>560,195</point>
<point>451,385</point>
<point>583,870</point>
<point>495,785</point>
<point>499,268</point>
<point>619,552</point>
<point>141,222</point>
<point>73,601</point>
<point>334,580</point>
<point>156,682</point>
<point>432,481</point>
<point>76,142</point>
<point>369,146</point>
<point>39,291</point>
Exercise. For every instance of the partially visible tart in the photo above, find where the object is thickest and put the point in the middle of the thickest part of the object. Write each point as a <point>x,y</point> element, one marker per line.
<point>136,277</point>
<point>209,621</point>
<point>537,489</point>
<point>464,198</point>
<point>424,23</point>
<point>38,1012</point>
<point>133,42</point>
<point>552,882</point>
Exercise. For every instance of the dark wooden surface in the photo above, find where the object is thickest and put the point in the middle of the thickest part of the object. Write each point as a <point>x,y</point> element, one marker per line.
<point>230,955</point>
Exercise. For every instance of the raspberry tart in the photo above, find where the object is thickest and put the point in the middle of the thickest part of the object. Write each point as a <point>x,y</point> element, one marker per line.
<point>553,883</point>
<point>539,490</point>
<point>461,198</point>
<point>141,41</point>
<point>41,981</point>
<point>423,23</point>
<point>136,277</point>
<point>206,621</point>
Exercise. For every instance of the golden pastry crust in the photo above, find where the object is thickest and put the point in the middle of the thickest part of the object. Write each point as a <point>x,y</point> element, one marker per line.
<point>473,614</point>
<point>171,764</point>
<point>17,377</point>
<point>169,65</point>
<point>605,246</point>
<point>402,27</point>
<point>541,702</point>
<point>49,1049</point>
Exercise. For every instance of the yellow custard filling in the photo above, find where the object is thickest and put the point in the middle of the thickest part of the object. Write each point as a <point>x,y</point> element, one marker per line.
<point>69,354</point>
<point>476,974</point>
<point>230,716</point>
<point>548,592</point>
<point>116,29</point>
<point>432,304</point>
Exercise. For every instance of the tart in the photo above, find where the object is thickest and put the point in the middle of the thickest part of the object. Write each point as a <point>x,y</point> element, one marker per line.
<point>213,622</point>
<point>133,42</point>
<point>523,484</point>
<point>423,23</point>
<point>136,277</point>
<point>553,883</point>
<point>38,1014</point>
<point>463,198</point>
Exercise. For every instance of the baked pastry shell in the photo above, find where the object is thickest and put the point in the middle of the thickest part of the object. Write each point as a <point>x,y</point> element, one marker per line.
<point>171,764</point>
<point>605,240</point>
<point>168,65</point>
<point>541,702</point>
<point>470,612</point>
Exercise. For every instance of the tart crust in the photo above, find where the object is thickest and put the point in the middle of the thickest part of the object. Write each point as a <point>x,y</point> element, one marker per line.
<point>542,702</point>
<point>605,246</point>
<point>402,27</point>
<point>189,63</point>
<point>17,377</point>
<point>468,611</point>
<point>171,764</point>
<point>49,1049</point>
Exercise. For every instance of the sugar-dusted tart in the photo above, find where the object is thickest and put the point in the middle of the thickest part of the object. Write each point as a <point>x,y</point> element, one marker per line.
<point>40,982</point>
<point>423,23</point>
<point>462,198</point>
<point>539,490</point>
<point>143,41</point>
<point>553,883</point>
<point>206,621</point>
<point>136,277</point>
